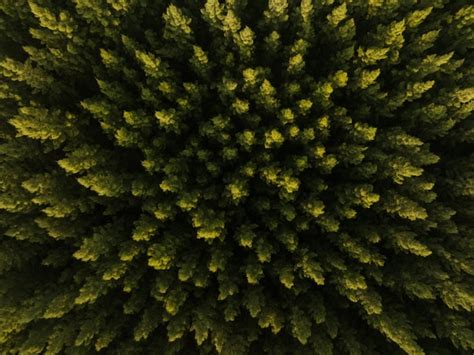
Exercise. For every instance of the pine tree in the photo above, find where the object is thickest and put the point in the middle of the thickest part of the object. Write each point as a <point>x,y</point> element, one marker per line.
<point>236,177</point>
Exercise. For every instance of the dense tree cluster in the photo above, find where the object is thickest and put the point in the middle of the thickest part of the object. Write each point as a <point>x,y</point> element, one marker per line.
<point>238,176</point>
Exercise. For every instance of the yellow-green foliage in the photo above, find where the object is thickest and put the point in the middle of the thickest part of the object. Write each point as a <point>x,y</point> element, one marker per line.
<point>236,177</point>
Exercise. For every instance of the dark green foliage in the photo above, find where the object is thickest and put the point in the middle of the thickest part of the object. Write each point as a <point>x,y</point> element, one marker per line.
<point>240,176</point>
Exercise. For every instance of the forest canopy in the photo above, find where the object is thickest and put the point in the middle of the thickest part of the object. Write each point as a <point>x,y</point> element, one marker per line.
<point>236,177</point>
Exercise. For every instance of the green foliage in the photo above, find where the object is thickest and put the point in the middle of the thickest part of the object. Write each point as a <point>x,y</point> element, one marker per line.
<point>236,177</point>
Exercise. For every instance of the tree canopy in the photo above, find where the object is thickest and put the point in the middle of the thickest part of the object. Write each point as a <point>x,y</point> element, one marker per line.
<point>236,177</point>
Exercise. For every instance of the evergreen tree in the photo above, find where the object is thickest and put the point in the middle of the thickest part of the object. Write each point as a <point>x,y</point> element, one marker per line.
<point>236,177</point>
